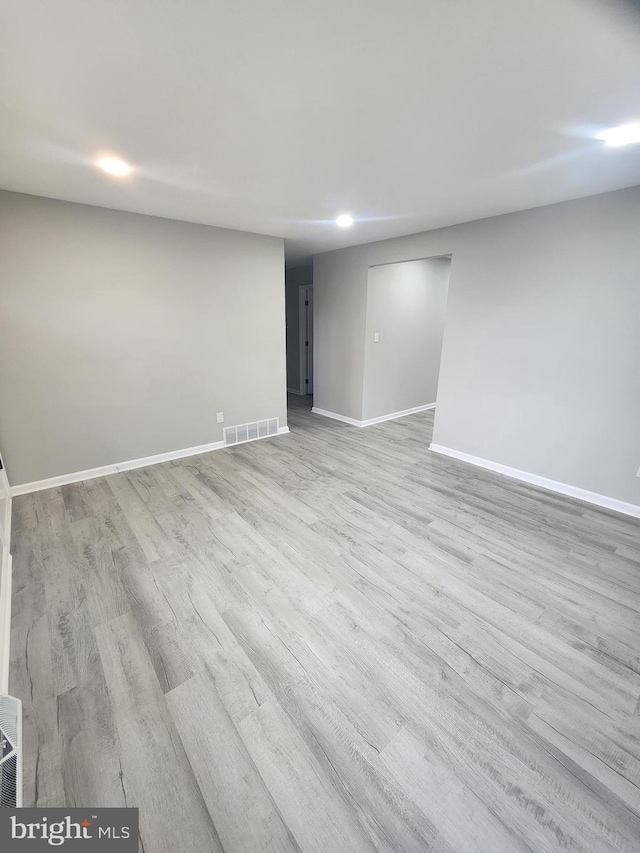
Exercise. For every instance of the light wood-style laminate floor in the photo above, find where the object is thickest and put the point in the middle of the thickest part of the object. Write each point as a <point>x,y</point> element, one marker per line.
<point>332,641</point>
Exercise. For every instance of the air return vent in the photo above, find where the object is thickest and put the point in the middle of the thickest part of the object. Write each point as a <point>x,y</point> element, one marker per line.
<point>250,432</point>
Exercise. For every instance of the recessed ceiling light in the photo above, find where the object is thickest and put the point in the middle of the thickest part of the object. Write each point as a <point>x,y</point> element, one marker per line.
<point>623,135</point>
<point>115,166</point>
<point>344,220</point>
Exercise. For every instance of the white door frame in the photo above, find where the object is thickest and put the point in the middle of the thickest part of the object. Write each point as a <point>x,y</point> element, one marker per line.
<point>304,334</point>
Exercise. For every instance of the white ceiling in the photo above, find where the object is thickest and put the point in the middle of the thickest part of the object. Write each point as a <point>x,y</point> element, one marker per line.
<point>276,115</point>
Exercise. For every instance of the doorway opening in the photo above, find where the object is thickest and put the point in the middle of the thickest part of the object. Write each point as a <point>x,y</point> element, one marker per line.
<point>305,342</point>
<point>406,307</point>
<point>299,320</point>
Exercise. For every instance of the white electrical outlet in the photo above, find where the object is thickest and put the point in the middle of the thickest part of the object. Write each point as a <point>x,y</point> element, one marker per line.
<point>376,337</point>
<point>220,417</point>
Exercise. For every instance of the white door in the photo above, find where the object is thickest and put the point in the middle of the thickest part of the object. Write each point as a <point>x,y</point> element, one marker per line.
<point>306,339</point>
<point>5,584</point>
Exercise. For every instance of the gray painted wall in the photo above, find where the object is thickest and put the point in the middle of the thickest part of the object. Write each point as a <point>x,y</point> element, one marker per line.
<point>406,305</point>
<point>541,354</point>
<point>294,278</point>
<point>122,335</point>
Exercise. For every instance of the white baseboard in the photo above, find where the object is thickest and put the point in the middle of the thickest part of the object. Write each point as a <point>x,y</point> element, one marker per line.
<point>104,470</point>
<point>5,580</point>
<point>394,415</point>
<point>5,619</point>
<point>336,417</point>
<point>5,511</point>
<point>371,421</point>
<point>116,468</point>
<point>5,522</point>
<point>544,483</point>
<point>295,391</point>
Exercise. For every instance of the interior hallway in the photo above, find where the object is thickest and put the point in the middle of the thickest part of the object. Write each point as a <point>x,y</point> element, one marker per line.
<point>332,641</point>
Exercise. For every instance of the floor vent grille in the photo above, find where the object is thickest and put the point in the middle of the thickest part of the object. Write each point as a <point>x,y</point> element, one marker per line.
<point>250,432</point>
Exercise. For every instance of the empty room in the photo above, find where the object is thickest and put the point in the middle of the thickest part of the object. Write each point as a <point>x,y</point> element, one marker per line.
<point>320,426</point>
